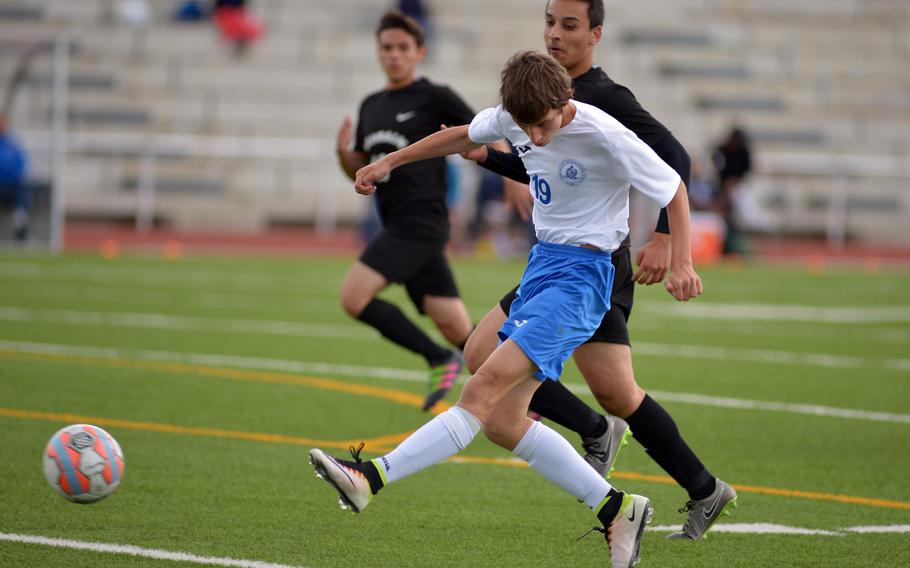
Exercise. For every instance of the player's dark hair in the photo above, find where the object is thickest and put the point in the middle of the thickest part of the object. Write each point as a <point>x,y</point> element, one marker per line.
<point>595,12</point>
<point>393,19</point>
<point>532,84</point>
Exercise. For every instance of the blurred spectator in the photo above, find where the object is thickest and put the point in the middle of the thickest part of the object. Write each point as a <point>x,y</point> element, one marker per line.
<point>702,189</point>
<point>489,191</point>
<point>733,161</point>
<point>236,24</point>
<point>419,10</point>
<point>191,11</point>
<point>496,224</point>
<point>454,203</point>
<point>14,192</point>
<point>134,13</point>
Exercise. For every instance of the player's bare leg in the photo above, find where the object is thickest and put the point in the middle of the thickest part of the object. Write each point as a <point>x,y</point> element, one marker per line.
<point>607,368</point>
<point>450,316</point>
<point>484,339</point>
<point>361,285</point>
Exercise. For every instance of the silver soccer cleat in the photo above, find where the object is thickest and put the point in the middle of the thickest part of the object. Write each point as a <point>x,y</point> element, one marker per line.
<point>703,513</point>
<point>601,452</point>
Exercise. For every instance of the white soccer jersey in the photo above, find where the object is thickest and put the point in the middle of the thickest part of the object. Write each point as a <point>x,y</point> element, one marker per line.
<point>580,180</point>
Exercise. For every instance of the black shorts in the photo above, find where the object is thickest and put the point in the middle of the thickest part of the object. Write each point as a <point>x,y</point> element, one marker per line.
<point>614,327</point>
<point>422,267</point>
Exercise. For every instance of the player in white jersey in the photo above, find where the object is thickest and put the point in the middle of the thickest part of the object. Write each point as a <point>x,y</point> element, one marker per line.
<point>582,163</point>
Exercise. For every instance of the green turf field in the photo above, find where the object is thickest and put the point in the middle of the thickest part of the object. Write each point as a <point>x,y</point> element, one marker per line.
<point>217,375</point>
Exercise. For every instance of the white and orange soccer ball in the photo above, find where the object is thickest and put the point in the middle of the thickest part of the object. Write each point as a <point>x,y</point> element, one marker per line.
<point>83,463</point>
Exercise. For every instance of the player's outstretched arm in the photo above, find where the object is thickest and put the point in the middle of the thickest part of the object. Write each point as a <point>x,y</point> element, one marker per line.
<point>683,283</point>
<point>443,143</point>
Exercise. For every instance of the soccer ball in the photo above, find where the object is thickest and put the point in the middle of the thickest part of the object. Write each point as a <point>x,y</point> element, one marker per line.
<point>83,463</point>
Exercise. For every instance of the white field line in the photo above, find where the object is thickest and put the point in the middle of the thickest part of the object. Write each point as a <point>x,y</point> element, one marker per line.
<point>131,274</point>
<point>247,302</point>
<point>769,528</point>
<point>231,361</point>
<point>753,528</point>
<point>780,312</point>
<point>880,529</point>
<point>242,302</point>
<point>156,297</point>
<point>771,356</point>
<point>189,323</point>
<point>115,272</point>
<point>131,550</point>
<point>385,373</point>
<point>771,328</point>
<point>354,331</point>
<point>809,409</point>
<point>255,283</point>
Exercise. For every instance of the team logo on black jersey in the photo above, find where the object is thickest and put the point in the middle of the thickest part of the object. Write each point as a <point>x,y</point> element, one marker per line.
<point>571,172</point>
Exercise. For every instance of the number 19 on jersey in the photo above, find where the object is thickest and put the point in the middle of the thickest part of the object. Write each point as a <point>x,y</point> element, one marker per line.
<point>541,189</point>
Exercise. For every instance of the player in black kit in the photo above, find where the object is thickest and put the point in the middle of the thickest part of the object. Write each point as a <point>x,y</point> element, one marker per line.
<point>573,28</point>
<point>410,249</point>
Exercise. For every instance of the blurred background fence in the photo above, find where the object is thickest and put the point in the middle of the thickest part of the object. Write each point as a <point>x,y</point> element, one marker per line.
<point>164,124</point>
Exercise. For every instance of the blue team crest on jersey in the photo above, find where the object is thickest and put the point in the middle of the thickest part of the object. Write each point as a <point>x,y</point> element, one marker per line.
<point>571,172</point>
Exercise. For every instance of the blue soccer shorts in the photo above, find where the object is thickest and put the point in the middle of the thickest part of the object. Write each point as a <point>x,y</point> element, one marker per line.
<point>562,298</point>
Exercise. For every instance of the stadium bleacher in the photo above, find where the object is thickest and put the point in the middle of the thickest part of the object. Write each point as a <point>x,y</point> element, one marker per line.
<point>825,77</point>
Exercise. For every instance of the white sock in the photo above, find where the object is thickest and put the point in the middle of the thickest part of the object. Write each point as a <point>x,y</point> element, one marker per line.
<point>435,441</point>
<point>553,457</point>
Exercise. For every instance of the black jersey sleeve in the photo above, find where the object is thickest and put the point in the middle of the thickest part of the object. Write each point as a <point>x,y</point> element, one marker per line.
<point>671,151</point>
<point>453,111</point>
<point>506,164</point>
<point>359,133</point>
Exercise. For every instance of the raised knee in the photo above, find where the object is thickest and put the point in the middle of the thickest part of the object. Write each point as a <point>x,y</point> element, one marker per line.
<point>620,403</point>
<point>498,435</point>
<point>480,395</point>
<point>351,307</point>
<point>504,431</point>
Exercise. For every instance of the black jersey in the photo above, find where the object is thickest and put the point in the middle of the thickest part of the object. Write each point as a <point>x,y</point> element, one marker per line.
<point>412,200</point>
<point>596,88</point>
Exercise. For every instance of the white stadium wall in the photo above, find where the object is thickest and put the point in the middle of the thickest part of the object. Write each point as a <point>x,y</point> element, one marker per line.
<point>823,86</point>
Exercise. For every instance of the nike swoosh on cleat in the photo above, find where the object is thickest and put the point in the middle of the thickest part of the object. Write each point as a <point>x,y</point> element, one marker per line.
<point>342,469</point>
<point>710,511</point>
<point>632,518</point>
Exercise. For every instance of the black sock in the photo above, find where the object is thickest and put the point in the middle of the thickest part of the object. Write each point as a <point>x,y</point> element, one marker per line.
<point>373,477</point>
<point>555,402</point>
<point>611,508</point>
<point>655,429</point>
<point>395,326</point>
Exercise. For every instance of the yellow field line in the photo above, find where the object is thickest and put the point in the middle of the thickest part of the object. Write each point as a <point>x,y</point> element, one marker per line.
<point>814,495</point>
<point>823,496</point>
<point>379,444</point>
<point>376,444</point>
<point>396,396</point>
